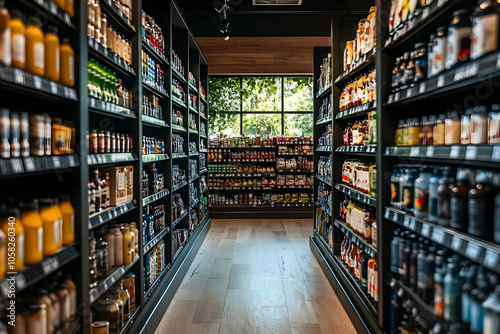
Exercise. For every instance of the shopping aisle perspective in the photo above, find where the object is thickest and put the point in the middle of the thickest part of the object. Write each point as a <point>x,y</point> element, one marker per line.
<point>256,276</point>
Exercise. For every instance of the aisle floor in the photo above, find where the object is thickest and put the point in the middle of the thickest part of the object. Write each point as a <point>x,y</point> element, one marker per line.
<point>256,276</point>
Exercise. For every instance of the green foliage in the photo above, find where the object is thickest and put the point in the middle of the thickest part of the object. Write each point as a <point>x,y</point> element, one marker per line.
<point>262,94</point>
<point>225,95</point>
<point>298,124</point>
<point>262,124</point>
<point>298,94</point>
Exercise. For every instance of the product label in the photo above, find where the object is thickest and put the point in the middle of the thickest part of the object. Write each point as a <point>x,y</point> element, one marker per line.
<point>39,55</point>
<point>438,300</point>
<point>421,199</point>
<point>494,129</point>
<point>57,230</point>
<point>39,235</point>
<point>72,68</point>
<point>18,48</point>
<point>440,54</point>
<point>121,181</point>
<point>484,35</point>
<point>478,129</point>
<point>408,196</point>
<point>477,217</point>
<point>458,45</point>
<point>458,208</point>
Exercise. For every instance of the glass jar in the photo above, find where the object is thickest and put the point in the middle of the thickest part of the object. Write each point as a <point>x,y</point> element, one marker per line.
<point>485,22</point>
<point>479,125</point>
<point>108,310</point>
<point>420,58</point>
<point>33,231</point>
<point>439,130</point>
<point>440,46</point>
<point>494,125</point>
<point>459,33</point>
<point>129,285</point>
<point>35,319</point>
<point>465,127</point>
<point>452,129</point>
<point>414,129</point>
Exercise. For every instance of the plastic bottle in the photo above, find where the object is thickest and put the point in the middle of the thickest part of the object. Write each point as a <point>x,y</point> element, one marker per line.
<point>480,206</point>
<point>421,193</point>
<point>485,28</point>
<point>452,286</point>
<point>430,267</point>
<point>467,287</point>
<point>438,285</point>
<point>52,55</point>
<point>35,52</point>
<point>67,63</point>
<point>52,225</point>
<point>18,44</point>
<point>443,200</point>
<point>396,240</point>
<point>33,231</point>
<point>70,7</point>
<point>414,263</point>
<point>68,213</point>
<point>10,219</point>
<point>491,308</point>
<point>478,296</point>
<point>458,200</point>
<point>395,188</point>
<point>433,194</point>
<point>5,39</point>
<point>421,270</point>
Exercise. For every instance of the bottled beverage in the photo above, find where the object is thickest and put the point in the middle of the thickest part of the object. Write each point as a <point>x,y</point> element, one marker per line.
<point>433,194</point>
<point>458,200</point>
<point>480,206</point>
<point>421,195</point>
<point>491,308</point>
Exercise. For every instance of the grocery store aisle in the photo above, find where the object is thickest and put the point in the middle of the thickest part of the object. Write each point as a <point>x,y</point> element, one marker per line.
<point>256,276</point>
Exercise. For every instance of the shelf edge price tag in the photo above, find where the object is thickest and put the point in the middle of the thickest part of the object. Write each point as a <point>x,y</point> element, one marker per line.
<point>455,152</point>
<point>422,87</point>
<point>438,236</point>
<point>415,151</point>
<point>19,77</point>
<point>17,167</point>
<point>440,81</point>
<point>495,155</point>
<point>426,230</point>
<point>490,258</point>
<point>471,153</point>
<point>430,152</point>
<point>473,251</point>
<point>37,81</point>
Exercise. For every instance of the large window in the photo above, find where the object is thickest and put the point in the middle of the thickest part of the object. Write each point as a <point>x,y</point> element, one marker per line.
<point>271,105</point>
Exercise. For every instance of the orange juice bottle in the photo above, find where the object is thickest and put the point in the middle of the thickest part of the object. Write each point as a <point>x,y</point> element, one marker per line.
<point>70,7</point>
<point>68,213</point>
<point>10,223</point>
<point>52,225</point>
<point>67,64</point>
<point>60,3</point>
<point>51,53</point>
<point>18,44</point>
<point>35,53</point>
<point>33,231</point>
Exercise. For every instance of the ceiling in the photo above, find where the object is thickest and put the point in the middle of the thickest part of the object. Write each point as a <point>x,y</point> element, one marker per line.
<point>312,18</point>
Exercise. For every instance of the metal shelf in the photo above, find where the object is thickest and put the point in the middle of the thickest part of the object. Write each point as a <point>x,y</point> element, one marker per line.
<point>324,208</point>
<point>193,110</point>
<point>154,158</point>
<point>155,122</point>
<point>325,120</point>
<point>181,217</point>
<point>14,167</point>
<point>241,175</point>
<point>290,143</point>
<point>179,155</point>
<point>179,186</point>
<point>327,148</point>
<point>109,214</point>
<point>192,205</point>
<point>243,160</point>
<point>153,198</point>
<point>293,154</point>
<point>179,128</point>
<point>110,109</point>
<point>193,88</point>
<point>357,150</point>
<point>295,171</point>
<point>153,88</point>
<point>153,51</point>
<point>324,179</point>
<point>116,18</point>
<point>52,11</point>
<point>367,248</point>
<point>366,61</point>
<point>323,90</point>
<point>178,102</point>
<point>110,158</point>
<point>110,58</point>
<point>357,195</point>
<point>357,111</point>
<point>193,178</point>
<point>179,75</point>
<point>156,239</point>
<point>295,187</point>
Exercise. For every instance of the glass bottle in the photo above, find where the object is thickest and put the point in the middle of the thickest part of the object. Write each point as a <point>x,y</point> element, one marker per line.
<point>481,206</point>
<point>458,200</point>
<point>35,62</point>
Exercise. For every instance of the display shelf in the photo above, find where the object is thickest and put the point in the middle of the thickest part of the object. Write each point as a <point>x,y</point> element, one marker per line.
<point>194,154</point>
<point>181,217</point>
<point>202,135</point>
<point>295,187</point>
<point>192,205</point>
<point>480,155</point>
<point>179,75</point>
<point>193,88</point>
<point>243,188</point>
<point>178,102</point>
<point>193,131</point>
<point>357,195</point>
<point>203,98</point>
<point>448,82</point>
<point>293,154</point>
<point>156,239</point>
<point>116,18</point>
<point>179,155</point>
<point>421,23</point>
<point>100,218</point>
<point>358,111</point>
<point>323,90</point>
<point>193,110</point>
<point>295,171</point>
<point>49,9</point>
<point>110,58</point>
<point>325,120</point>
<point>110,109</point>
<point>324,243</point>
<point>242,174</point>
<point>30,165</point>
<point>291,143</point>
<point>204,117</point>
<point>153,51</point>
<point>105,284</point>
<point>243,160</point>
<point>203,171</point>
<point>130,321</point>
<point>19,81</point>
<point>110,158</point>
<point>179,186</point>
<point>367,248</point>
<point>482,252</point>
<point>178,128</point>
<point>293,205</point>
<point>324,208</point>
<point>193,178</point>
<point>358,149</point>
<point>202,191</point>
<point>153,88</point>
<point>32,274</point>
<point>366,61</point>
<point>204,151</point>
<point>155,122</point>
<point>326,148</point>
<point>241,206</point>
<point>156,283</point>
<point>243,148</point>
<point>425,316</point>
<point>153,198</point>
<point>154,158</point>
<point>324,179</point>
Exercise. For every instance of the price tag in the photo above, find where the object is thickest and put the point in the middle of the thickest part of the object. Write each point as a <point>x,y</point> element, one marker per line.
<point>426,230</point>
<point>53,87</point>
<point>473,251</point>
<point>20,281</point>
<point>406,222</point>
<point>413,224</point>
<point>440,81</point>
<point>495,155</point>
<point>466,71</point>
<point>391,99</point>
<point>19,77</point>
<point>387,214</point>
<point>396,97</point>
<point>422,87</point>
<point>29,164</point>
<point>395,216</point>
<point>37,82</point>
<point>438,236</point>
<point>401,292</point>
<point>455,152</point>
<point>425,13</point>
<point>409,92</point>
<point>471,153</point>
<point>415,151</point>
<point>52,7</point>
<point>430,152</point>
<point>490,258</point>
<point>40,2</point>
<point>17,167</point>
<point>67,18</point>
<point>442,2</point>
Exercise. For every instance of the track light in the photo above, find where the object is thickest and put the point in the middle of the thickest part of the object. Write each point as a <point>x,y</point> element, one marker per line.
<point>224,26</point>
<point>226,36</point>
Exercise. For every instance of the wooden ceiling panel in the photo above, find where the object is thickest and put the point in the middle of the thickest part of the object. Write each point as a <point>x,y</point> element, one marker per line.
<point>260,55</point>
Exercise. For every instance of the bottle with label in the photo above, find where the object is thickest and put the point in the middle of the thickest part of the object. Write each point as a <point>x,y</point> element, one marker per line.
<point>67,57</point>
<point>10,219</point>
<point>125,297</point>
<point>407,186</point>
<point>414,263</point>
<point>439,274</point>
<point>421,193</point>
<point>35,51</point>
<point>458,200</point>
<point>5,36</point>
<point>452,129</point>
<point>459,32</point>
<point>24,134</point>
<point>395,261</point>
<point>477,296</point>
<point>15,147</point>
<point>18,31</point>
<point>480,206</point>
<point>92,260</point>
<point>479,125</point>
<point>71,287</point>
<point>443,198</point>
<point>68,213</point>
<point>433,194</point>
<point>4,133</point>
<point>52,225</point>
<point>395,188</point>
<point>33,231</point>
<point>467,287</point>
<point>485,21</point>
<point>465,127</point>
<point>491,308</point>
<point>421,269</point>
<point>440,49</point>
<point>430,267</point>
<point>62,294</point>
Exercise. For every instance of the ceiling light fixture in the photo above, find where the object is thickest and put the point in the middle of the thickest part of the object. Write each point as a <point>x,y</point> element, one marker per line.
<point>223,10</point>
<point>226,37</point>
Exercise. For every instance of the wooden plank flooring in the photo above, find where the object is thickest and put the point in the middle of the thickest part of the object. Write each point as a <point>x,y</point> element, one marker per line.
<point>256,276</point>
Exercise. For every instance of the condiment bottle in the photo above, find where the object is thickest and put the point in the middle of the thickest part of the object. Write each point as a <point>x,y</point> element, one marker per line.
<point>37,134</point>
<point>41,296</point>
<point>52,225</point>
<point>459,32</point>
<point>67,63</point>
<point>24,132</point>
<point>18,31</point>
<point>494,125</point>
<point>15,147</point>
<point>421,196</point>
<point>485,28</point>
<point>102,257</point>
<point>481,206</point>
<point>466,291</point>
<point>71,287</point>
<point>35,52</point>
<point>439,274</point>
<point>452,129</point>
<point>100,327</point>
<point>62,294</point>
<point>47,134</point>
<point>479,125</point>
<point>433,194</point>
<point>68,213</point>
<point>430,56</point>
<point>127,246</point>
<point>491,307</point>
<point>125,297</point>
<point>4,133</point>
<point>465,127</point>
<point>108,235</point>
<point>10,219</point>
<point>452,286</point>
<point>438,133</point>
<point>5,39</point>
<point>33,231</point>
<point>407,185</point>
<point>458,200</point>
<point>443,199</point>
<point>35,318</point>
<point>129,285</point>
<point>70,7</point>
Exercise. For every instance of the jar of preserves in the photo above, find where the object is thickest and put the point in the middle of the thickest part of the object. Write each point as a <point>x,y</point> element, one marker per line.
<point>129,285</point>
<point>108,310</point>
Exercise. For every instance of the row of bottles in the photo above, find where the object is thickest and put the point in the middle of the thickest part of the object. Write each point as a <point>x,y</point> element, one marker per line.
<point>217,155</point>
<point>325,77</point>
<point>177,63</point>
<point>152,181</point>
<point>361,176</point>
<point>366,40</point>
<point>360,219</point>
<point>177,118</point>
<point>152,71</point>
<point>152,146</point>
<point>178,90</point>
<point>155,262</point>
<point>246,141</point>
<point>178,175</point>
<point>326,138</point>
<point>323,225</point>
<point>302,163</point>
<point>101,141</point>
<point>250,183</point>
<point>324,195</point>
<point>177,143</point>
<point>153,221</point>
<point>192,122</point>
<point>103,85</point>
<point>359,91</point>
<point>177,206</point>
<point>295,149</point>
<point>151,106</point>
<point>240,168</point>
<point>361,132</point>
<point>152,32</point>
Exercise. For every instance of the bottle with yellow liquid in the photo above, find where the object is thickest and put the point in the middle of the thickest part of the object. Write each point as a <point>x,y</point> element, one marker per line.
<point>70,7</point>
<point>35,53</point>
<point>67,73</point>
<point>52,54</point>
<point>18,40</point>
<point>33,231</point>
<point>10,223</point>
<point>68,213</point>
<point>52,218</point>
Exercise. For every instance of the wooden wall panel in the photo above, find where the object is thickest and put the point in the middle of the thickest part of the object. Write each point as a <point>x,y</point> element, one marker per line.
<point>260,55</point>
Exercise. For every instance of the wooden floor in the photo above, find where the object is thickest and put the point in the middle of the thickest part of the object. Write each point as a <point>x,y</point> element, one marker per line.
<point>256,276</point>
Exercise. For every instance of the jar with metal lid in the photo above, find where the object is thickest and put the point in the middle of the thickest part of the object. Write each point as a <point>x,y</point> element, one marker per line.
<point>465,127</point>
<point>420,57</point>
<point>93,142</point>
<point>452,129</point>
<point>459,33</point>
<point>100,327</point>
<point>479,125</point>
<point>114,293</point>
<point>36,319</point>
<point>485,21</point>
<point>494,125</point>
<point>440,46</point>
<point>108,310</point>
